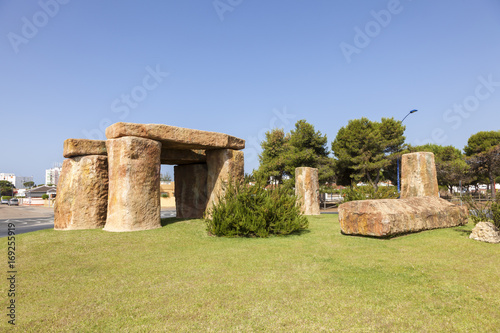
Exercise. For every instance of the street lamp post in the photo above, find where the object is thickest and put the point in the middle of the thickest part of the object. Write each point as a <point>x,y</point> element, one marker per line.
<point>412,111</point>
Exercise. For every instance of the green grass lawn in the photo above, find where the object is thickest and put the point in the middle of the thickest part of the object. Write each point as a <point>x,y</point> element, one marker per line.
<point>178,279</point>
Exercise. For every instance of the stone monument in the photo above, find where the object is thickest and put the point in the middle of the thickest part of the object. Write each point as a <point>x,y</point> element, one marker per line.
<point>116,183</point>
<point>419,209</point>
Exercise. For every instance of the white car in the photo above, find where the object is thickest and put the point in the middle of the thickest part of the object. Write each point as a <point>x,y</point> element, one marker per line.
<point>5,201</point>
<point>13,202</point>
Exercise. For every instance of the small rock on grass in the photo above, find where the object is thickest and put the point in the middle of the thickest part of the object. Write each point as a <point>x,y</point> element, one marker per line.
<point>485,232</point>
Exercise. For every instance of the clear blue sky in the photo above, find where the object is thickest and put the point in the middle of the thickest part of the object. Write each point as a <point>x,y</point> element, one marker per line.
<point>242,68</point>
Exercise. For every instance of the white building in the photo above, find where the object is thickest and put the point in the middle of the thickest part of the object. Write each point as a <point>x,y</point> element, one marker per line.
<point>52,176</point>
<point>15,180</point>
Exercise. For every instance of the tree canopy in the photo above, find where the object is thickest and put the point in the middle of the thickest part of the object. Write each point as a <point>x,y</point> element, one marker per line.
<point>364,148</point>
<point>29,184</point>
<point>483,152</point>
<point>451,167</point>
<point>275,156</point>
<point>302,147</point>
<point>6,187</point>
<point>165,177</point>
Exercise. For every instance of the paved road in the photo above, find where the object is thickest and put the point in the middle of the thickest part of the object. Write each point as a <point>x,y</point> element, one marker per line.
<point>167,213</point>
<point>26,225</point>
<point>28,219</point>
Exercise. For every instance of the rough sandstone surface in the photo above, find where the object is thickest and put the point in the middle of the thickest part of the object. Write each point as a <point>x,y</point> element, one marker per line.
<point>82,193</point>
<point>183,156</point>
<point>389,217</point>
<point>307,190</point>
<point>418,175</point>
<point>175,137</point>
<point>223,165</point>
<point>485,232</point>
<point>82,147</point>
<point>134,184</point>
<point>190,190</point>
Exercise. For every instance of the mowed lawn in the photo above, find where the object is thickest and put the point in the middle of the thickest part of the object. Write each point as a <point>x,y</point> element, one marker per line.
<point>179,279</point>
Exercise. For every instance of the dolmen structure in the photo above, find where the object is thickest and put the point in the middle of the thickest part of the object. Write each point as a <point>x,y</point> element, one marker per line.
<point>418,209</point>
<point>115,183</point>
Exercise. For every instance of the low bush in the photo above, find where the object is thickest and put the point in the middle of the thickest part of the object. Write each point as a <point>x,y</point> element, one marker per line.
<point>495,213</point>
<point>45,196</point>
<point>329,189</point>
<point>367,192</point>
<point>484,211</point>
<point>6,197</point>
<point>165,195</point>
<point>253,211</point>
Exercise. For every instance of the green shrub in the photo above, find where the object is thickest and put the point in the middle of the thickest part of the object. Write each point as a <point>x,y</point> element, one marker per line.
<point>165,195</point>
<point>484,211</point>
<point>45,196</point>
<point>253,211</point>
<point>7,197</point>
<point>329,189</point>
<point>367,192</point>
<point>495,212</point>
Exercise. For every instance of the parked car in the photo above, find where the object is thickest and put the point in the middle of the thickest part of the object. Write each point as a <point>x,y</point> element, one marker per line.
<point>5,201</point>
<point>13,202</point>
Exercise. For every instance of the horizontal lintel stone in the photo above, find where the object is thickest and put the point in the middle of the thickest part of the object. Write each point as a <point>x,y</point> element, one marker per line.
<point>182,156</point>
<point>176,137</point>
<point>83,147</point>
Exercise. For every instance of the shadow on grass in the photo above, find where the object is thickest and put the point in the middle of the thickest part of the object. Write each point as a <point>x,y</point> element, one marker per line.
<point>373,237</point>
<point>460,230</point>
<point>295,233</point>
<point>465,233</point>
<point>171,220</point>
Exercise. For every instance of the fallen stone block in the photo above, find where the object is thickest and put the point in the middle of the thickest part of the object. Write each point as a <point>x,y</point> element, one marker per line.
<point>82,147</point>
<point>82,193</point>
<point>390,217</point>
<point>485,232</point>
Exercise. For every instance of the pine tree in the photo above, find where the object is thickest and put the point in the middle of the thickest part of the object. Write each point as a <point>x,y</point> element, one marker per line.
<point>364,148</point>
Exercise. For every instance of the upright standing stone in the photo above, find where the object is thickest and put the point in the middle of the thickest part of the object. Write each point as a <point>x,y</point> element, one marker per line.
<point>307,190</point>
<point>190,190</point>
<point>222,165</point>
<point>418,175</point>
<point>134,184</point>
<point>82,193</point>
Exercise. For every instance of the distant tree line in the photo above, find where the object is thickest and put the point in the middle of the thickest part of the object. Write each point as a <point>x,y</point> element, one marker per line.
<point>367,151</point>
